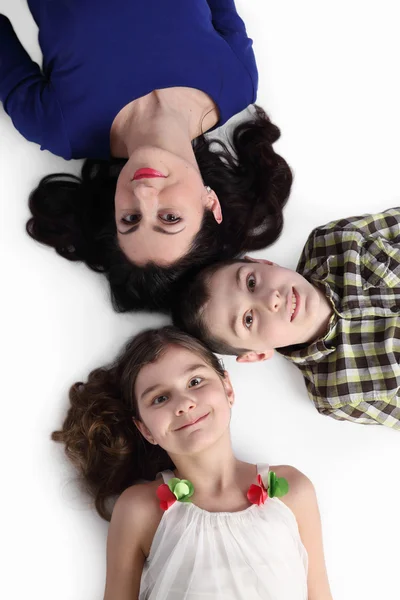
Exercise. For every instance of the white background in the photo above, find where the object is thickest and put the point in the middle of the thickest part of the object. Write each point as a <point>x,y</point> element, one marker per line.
<point>329,77</point>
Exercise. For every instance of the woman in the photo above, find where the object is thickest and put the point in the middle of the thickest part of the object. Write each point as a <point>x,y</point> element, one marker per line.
<point>132,87</point>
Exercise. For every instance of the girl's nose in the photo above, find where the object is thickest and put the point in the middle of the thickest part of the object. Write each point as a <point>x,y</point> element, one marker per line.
<point>184,405</point>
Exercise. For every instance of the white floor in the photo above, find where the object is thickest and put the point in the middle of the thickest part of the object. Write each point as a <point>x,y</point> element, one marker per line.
<point>329,77</point>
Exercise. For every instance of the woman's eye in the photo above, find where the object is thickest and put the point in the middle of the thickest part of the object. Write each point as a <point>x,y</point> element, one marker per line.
<point>248,319</point>
<point>159,400</point>
<point>131,219</point>
<point>169,217</point>
<point>251,283</point>
<point>195,381</point>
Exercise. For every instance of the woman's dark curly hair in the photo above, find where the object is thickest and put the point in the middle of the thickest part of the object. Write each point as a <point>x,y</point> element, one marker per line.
<point>76,215</point>
<point>99,434</point>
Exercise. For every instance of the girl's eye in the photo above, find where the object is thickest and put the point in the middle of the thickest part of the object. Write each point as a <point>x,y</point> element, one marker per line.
<point>195,381</point>
<point>251,283</point>
<point>248,319</point>
<point>131,219</point>
<point>169,217</point>
<point>159,400</point>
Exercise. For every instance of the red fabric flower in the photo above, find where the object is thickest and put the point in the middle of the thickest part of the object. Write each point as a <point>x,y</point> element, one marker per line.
<point>257,494</point>
<point>166,497</point>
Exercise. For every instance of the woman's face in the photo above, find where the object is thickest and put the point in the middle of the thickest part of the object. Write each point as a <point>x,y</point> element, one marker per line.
<point>160,201</point>
<point>184,405</point>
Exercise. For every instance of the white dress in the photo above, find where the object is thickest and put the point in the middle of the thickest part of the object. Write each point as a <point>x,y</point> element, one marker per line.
<point>252,554</point>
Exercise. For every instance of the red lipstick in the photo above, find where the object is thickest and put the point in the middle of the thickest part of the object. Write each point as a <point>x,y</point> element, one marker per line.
<point>146,174</point>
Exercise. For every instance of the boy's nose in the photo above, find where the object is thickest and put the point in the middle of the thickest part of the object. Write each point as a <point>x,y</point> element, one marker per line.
<point>274,301</point>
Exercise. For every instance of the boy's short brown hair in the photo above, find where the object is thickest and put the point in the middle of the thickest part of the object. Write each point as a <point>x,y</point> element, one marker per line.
<point>190,303</point>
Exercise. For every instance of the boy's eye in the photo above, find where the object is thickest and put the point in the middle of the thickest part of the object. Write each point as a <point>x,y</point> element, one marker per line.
<point>248,319</point>
<point>251,283</point>
<point>195,381</point>
<point>159,400</point>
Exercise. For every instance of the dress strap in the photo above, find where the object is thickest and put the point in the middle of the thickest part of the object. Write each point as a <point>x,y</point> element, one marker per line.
<point>167,475</point>
<point>263,470</point>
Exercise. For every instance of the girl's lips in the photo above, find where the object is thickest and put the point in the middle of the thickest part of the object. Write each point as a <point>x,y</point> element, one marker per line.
<point>146,174</point>
<point>296,310</point>
<point>193,422</point>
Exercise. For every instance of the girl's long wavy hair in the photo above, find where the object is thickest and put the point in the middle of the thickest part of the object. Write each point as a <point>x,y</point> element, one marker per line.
<point>99,434</point>
<point>75,215</point>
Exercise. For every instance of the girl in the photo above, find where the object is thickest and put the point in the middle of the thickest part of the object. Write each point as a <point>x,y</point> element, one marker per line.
<point>133,86</point>
<point>211,526</point>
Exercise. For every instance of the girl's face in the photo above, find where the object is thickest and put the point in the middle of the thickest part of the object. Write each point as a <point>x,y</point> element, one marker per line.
<point>184,405</point>
<point>160,195</point>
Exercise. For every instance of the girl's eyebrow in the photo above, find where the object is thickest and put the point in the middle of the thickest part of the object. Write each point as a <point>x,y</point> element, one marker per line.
<point>189,369</point>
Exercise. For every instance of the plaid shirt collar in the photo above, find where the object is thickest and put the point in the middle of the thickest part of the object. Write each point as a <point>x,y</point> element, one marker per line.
<point>356,364</point>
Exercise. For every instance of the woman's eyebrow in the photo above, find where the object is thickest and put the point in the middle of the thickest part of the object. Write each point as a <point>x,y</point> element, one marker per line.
<point>155,228</point>
<point>161,230</point>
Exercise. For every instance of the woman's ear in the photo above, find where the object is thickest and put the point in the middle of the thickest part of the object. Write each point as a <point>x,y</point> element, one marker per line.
<point>144,431</point>
<point>230,394</point>
<point>212,204</point>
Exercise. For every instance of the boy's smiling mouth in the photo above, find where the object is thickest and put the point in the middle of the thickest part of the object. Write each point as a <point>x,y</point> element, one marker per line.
<point>294,304</point>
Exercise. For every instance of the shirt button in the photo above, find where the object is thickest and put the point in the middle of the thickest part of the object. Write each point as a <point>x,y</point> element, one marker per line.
<point>381,257</point>
<point>395,309</point>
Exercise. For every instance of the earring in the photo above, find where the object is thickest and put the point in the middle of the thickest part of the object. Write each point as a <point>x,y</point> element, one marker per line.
<point>208,189</point>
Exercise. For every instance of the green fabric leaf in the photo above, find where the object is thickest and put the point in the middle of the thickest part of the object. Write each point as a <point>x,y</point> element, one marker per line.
<point>181,490</point>
<point>190,486</point>
<point>277,486</point>
<point>282,487</point>
<point>271,484</point>
<point>172,483</point>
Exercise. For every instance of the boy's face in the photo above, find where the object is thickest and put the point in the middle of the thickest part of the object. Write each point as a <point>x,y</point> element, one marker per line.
<point>261,306</point>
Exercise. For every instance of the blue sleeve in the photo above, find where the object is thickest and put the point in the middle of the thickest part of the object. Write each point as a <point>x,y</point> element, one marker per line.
<point>27,96</point>
<point>231,27</point>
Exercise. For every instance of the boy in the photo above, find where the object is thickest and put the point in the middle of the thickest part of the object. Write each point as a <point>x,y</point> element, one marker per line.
<point>336,318</point>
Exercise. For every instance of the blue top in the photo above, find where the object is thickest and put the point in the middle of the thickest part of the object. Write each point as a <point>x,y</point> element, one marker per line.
<point>99,55</point>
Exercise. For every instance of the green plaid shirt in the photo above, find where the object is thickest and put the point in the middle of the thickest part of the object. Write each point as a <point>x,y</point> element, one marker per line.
<point>353,372</point>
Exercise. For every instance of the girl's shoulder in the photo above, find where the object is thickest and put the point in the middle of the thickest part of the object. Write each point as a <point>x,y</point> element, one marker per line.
<point>139,501</point>
<point>301,490</point>
<point>137,511</point>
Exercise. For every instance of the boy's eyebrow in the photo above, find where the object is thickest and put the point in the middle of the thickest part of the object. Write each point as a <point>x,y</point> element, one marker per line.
<point>190,368</point>
<point>238,278</point>
<point>234,320</point>
<point>233,323</point>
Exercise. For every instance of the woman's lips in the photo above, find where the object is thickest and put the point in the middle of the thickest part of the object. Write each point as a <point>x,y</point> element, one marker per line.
<point>146,174</point>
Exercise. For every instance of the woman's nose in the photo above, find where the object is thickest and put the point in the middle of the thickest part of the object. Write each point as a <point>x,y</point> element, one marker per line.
<point>147,196</point>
